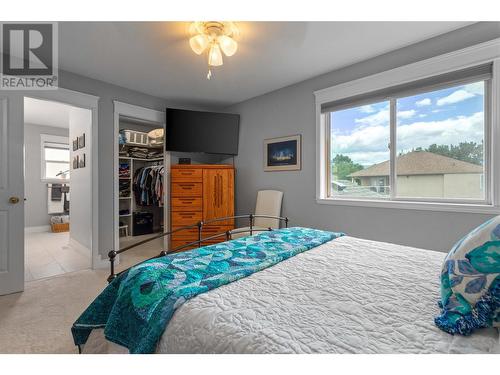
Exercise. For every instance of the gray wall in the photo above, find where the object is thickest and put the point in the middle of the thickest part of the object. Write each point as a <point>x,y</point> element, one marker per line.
<point>108,93</point>
<point>290,111</point>
<point>35,208</point>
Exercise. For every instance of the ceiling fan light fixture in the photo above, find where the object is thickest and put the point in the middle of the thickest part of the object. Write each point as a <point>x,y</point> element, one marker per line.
<point>215,56</point>
<point>228,45</point>
<point>199,43</point>
<point>216,37</point>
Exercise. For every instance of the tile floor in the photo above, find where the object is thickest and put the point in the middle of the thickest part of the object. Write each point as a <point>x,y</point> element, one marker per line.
<point>49,254</point>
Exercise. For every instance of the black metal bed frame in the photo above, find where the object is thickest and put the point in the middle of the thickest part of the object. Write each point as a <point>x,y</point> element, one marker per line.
<point>199,225</point>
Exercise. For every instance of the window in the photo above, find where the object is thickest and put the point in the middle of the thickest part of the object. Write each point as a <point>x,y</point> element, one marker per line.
<point>359,139</point>
<point>440,143</point>
<point>55,158</point>
<point>424,141</point>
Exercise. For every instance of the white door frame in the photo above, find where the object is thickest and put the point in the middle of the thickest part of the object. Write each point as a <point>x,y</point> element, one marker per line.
<point>142,114</point>
<point>91,102</point>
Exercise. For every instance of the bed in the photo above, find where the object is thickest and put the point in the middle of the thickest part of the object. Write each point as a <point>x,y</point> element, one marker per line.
<point>347,295</point>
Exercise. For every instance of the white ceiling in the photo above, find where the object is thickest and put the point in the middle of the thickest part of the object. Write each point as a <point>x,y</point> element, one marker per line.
<point>46,113</point>
<point>155,57</point>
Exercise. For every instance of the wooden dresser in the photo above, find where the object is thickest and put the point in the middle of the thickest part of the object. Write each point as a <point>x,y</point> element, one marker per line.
<point>200,192</point>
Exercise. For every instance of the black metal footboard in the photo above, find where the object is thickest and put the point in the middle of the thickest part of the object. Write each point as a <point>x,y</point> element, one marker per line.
<point>199,225</point>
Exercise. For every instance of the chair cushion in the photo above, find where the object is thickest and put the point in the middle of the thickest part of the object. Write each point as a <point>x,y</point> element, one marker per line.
<point>268,203</point>
<point>470,282</point>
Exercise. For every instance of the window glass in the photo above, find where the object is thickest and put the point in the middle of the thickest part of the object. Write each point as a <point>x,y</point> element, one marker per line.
<point>440,143</point>
<point>56,161</point>
<point>359,139</point>
<point>56,154</point>
<point>52,169</point>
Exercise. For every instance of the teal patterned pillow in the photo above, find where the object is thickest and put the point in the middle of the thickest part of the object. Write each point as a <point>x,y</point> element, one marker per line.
<point>470,282</point>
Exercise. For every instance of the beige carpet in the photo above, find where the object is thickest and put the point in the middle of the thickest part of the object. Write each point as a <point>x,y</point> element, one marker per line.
<point>39,319</point>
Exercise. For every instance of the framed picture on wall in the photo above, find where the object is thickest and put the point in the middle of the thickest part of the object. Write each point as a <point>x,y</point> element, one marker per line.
<point>82,161</point>
<point>75,144</point>
<point>282,154</point>
<point>81,141</point>
<point>76,162</point>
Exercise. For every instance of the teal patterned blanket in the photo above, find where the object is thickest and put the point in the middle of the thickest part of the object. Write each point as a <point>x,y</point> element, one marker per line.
<point>135,308</point>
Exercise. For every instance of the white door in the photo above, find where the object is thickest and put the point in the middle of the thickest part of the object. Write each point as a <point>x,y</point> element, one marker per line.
<point>11,194</point>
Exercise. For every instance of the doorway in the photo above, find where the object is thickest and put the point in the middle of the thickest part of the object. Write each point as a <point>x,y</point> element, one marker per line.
<point>141,182</point>
<point>58,188</point>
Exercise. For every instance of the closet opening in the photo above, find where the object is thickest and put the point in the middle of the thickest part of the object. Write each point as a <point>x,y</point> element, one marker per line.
<point>57,180</point>
<point>142,176</point>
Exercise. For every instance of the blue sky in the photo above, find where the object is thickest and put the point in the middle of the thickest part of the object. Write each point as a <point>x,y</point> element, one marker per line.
<point>447,116</point>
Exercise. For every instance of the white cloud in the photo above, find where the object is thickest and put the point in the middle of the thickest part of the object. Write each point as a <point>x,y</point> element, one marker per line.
<point>367,145</point>
<point>423,102</point>
<point>455,97</point>
<point>476,88</point>
<point>380,118</point>
<point>367,108</point>
<point>406,114</point>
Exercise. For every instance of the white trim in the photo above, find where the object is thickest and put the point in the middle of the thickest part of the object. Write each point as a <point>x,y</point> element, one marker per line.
<point>37,229</point>
<point>479,54</point>
<point>408,205</point>
<point>141,114</point>
<point>461,59</point>
<point>88,101</point>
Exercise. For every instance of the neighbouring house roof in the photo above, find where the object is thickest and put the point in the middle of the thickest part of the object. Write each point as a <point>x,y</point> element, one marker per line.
<point>420,163</point>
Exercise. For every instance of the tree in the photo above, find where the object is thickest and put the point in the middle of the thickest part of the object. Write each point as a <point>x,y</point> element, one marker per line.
<point>343,166</point>
<point>470,152</point>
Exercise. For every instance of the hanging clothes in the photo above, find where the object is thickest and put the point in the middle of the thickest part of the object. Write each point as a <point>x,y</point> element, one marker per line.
<point>148,186</point>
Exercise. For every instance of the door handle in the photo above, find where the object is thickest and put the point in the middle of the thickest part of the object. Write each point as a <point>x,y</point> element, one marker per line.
<point>14,200</point>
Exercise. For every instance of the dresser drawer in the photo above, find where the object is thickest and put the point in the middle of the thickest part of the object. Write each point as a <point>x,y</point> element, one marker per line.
<point>186,175</point>
<point>186,203</point>
<point>176,243</point>
<point>207,231</point>
<point>182,218</point>
<point>187,189</point>
<point>212,229</point>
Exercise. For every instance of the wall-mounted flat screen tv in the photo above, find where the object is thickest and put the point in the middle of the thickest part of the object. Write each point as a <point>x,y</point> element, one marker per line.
<point>196,131</point>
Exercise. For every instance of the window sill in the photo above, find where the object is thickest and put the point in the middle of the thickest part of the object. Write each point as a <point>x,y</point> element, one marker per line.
<point>54,181</point>
<point>410,205</point>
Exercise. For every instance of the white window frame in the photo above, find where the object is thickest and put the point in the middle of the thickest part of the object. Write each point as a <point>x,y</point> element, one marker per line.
<point>484,53</point>
<point>48,139</point>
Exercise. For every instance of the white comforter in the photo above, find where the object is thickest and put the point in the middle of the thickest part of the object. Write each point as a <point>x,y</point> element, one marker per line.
<point>346,296</point>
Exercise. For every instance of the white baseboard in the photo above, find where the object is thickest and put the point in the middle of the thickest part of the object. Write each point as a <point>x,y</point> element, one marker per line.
<point>38,229</point>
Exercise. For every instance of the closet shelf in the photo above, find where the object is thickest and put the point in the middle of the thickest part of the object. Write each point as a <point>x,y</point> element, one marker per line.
<point>125,197</point>
<point>140,159</point>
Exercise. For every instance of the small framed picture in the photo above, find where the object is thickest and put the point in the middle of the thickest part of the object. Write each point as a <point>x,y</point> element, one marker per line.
<point>82,161</point>
<point>81,141</point>
<point>282,154</point>
<point>75,144</point>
